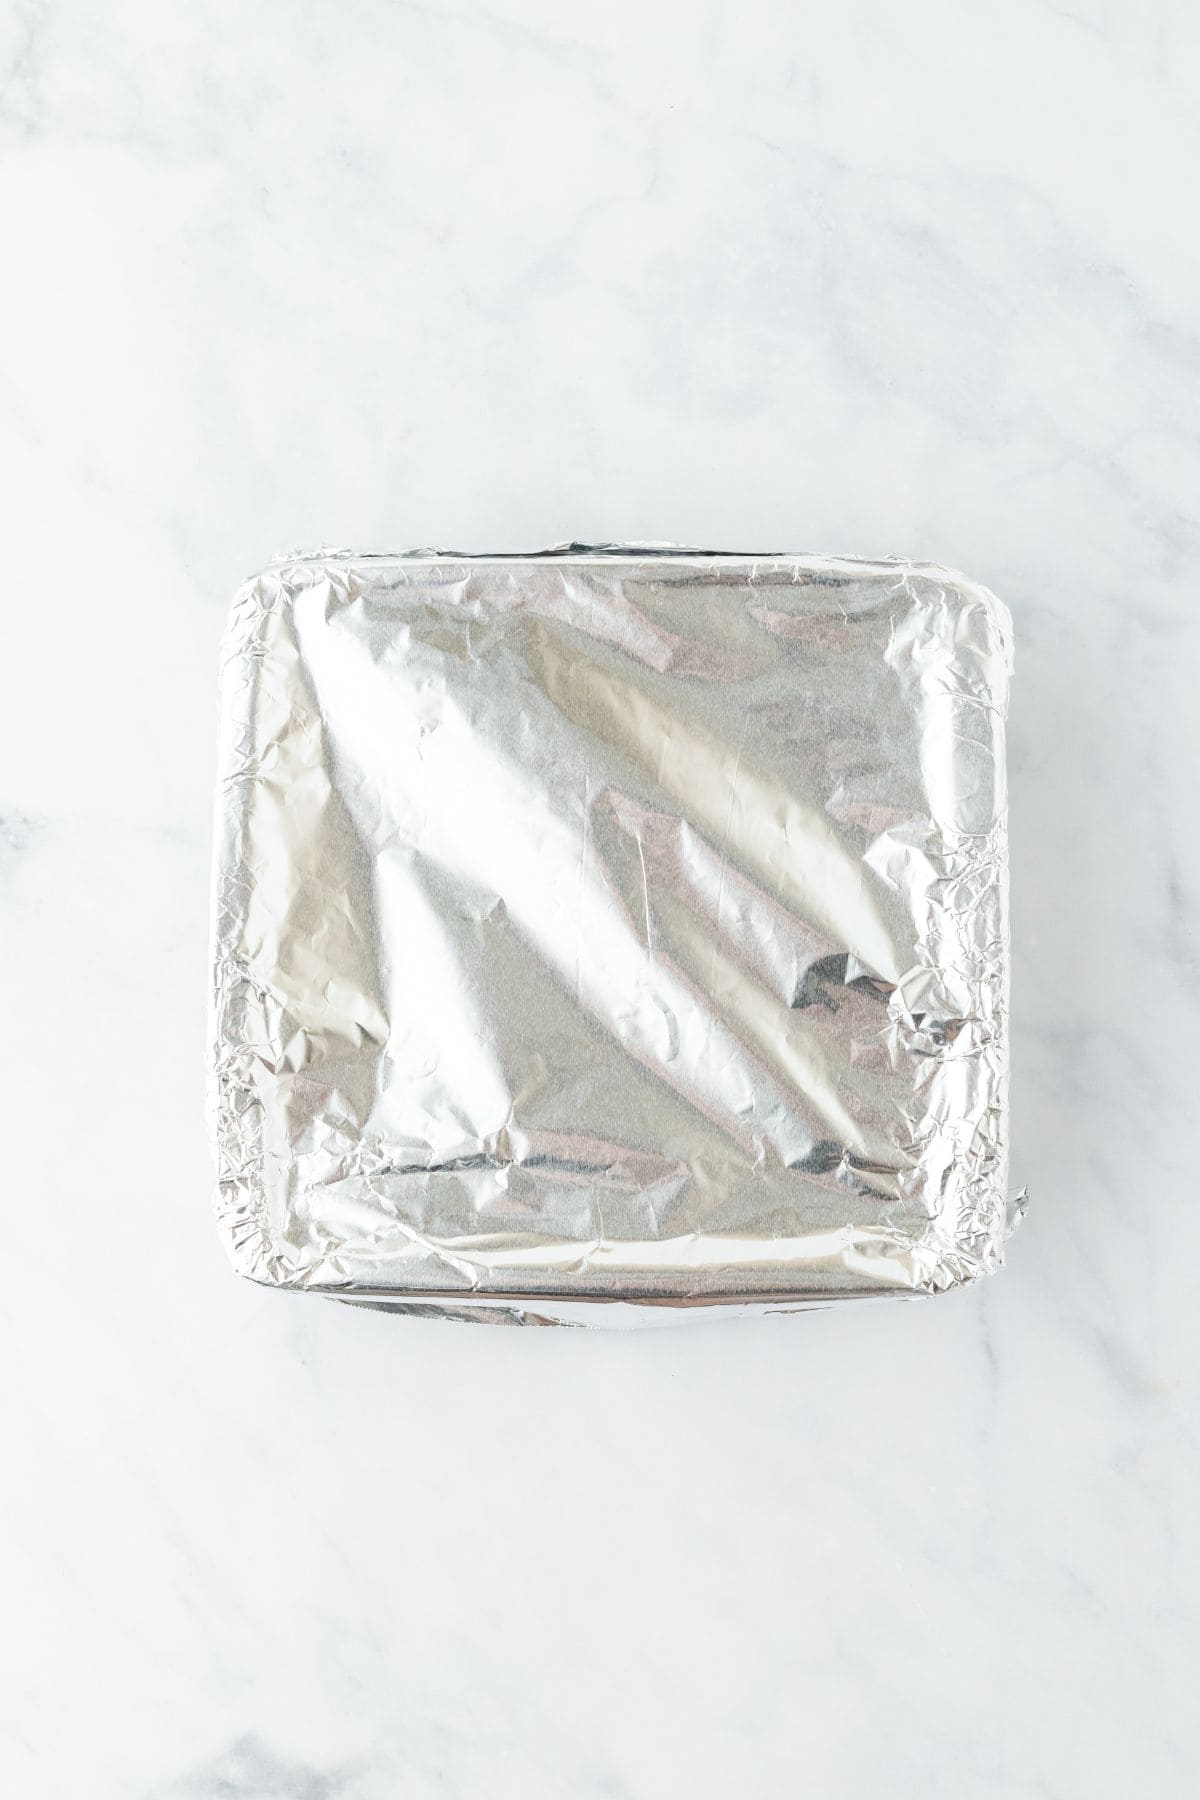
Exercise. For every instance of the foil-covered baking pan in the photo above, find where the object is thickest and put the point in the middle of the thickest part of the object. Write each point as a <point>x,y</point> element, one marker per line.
<point>611,934</point>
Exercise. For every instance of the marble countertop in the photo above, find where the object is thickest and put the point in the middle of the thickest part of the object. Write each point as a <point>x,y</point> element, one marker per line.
<point>862,278</point>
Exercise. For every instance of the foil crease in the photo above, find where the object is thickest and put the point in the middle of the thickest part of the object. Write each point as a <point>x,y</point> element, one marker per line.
<point>609,935</point>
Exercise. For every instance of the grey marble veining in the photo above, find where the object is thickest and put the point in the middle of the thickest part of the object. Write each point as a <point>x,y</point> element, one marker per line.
<point>917,281</point>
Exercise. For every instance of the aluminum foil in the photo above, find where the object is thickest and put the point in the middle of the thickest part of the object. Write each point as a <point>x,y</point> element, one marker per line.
<point>611,934</point>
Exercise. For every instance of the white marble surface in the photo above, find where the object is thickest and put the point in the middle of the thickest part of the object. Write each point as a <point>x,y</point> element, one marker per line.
<point>918,279</point>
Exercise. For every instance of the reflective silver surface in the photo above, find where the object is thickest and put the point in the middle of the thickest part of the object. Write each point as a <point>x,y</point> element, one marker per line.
<point>602,926</point>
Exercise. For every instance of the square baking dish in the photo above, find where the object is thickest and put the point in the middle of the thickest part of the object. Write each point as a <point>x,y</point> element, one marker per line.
<point>611,935</point>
